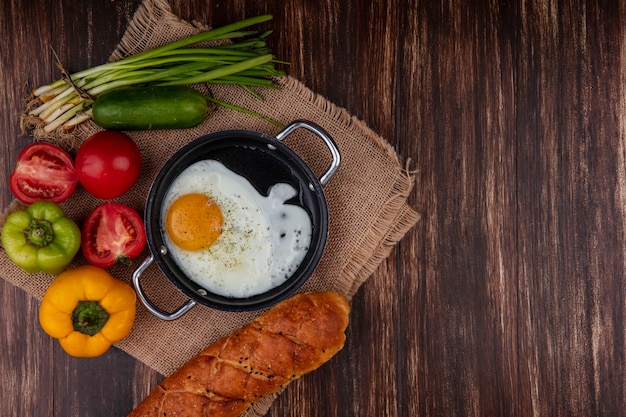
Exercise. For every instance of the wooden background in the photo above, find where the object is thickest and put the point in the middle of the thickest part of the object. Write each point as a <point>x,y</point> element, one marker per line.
<point>507,299</point>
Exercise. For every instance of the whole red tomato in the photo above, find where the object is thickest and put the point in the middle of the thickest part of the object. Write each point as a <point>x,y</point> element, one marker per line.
<point>108,164</point>
<point>111,233</point>
<point>44,171</point>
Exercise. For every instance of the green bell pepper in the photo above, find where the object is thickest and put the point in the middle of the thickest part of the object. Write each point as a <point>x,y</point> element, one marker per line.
<point>41,238</point>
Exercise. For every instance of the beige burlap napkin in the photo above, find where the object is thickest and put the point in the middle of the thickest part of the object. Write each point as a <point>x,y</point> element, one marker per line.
<point>366,199</point>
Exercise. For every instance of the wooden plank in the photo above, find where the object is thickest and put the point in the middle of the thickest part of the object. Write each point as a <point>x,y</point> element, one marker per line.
<point>26,363</point>
<point>463,261</point>
<point>571,234</point>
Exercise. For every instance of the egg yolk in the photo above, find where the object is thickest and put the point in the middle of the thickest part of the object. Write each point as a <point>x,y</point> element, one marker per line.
<point>194,222</point>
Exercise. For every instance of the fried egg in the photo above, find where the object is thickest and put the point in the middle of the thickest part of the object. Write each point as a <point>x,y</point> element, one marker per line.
<point>229,238</point>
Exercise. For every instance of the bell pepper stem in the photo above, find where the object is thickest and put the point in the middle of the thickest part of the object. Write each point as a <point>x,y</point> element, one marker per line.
<point>89,317</point>
<point>39,233</point>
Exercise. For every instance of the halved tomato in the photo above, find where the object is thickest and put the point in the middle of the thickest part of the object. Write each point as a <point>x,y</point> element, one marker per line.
<point>44,171</point>
<point>111,233</point>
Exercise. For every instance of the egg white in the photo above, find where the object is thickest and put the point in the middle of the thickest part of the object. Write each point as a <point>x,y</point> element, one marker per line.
<point>263,240</point>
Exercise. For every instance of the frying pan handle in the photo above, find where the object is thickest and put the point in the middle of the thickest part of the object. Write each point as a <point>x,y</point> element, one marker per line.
<point>328,140</point>
<point>163,315</point>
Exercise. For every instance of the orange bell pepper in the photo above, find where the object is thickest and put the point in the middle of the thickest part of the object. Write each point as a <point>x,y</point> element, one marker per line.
<point>87,310</point>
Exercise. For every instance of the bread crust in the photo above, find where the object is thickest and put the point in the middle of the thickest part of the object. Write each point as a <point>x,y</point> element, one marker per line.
<point>291,339</point>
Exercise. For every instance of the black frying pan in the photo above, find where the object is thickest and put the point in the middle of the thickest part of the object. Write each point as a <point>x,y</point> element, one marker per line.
<point>264,161</point>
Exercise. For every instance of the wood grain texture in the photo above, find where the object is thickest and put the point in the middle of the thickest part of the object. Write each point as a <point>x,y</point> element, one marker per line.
<point>464,90</point>
<point>507,299</point>
<point>571,228</point>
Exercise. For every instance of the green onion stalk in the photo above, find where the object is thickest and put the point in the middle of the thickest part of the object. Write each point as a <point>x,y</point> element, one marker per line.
<point>241,58</point>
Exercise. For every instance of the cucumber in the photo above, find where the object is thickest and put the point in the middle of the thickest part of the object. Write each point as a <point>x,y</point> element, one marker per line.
<point>149,108</point>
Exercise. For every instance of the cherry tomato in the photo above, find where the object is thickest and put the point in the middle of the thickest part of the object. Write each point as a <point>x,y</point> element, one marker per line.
<point>108,164</point>
<point>44,171</point>
<point>112,232</point>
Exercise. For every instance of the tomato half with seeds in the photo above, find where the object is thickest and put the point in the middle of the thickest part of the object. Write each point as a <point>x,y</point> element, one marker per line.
<point>112,233</point>
<point>44,171</point>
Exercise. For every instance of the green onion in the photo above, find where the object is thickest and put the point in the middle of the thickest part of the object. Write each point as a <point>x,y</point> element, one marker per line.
<point>248,63</point>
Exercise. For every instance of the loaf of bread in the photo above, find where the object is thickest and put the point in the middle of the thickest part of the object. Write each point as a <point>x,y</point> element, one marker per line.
<point>291,339</point>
